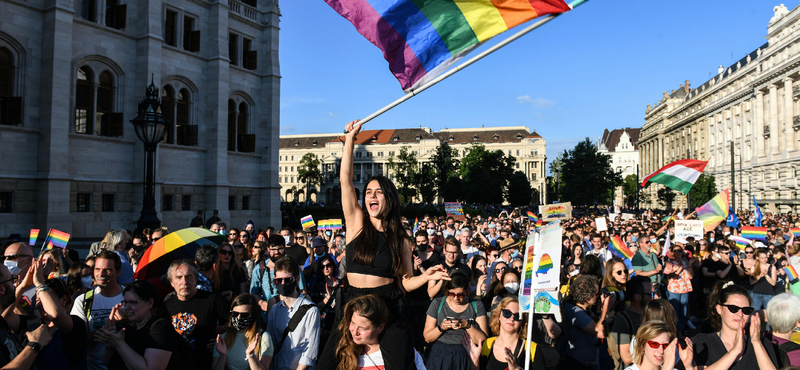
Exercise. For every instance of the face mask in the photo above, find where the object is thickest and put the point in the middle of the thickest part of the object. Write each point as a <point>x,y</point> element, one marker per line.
<point>514,254</point>
<point>726,233</point>
<point>12,267</point>
<point>422,247</point>
<point>431,231</point>
<point>634,238</point>
<point>652,241</point>
<point>286,289</point>
<point>512,287</point>
<point>241,323</point>
<point>575,272</point>
<point>319,255</point>
<point>86,282</point>
<point>286,238</point>
<point>712,239</point>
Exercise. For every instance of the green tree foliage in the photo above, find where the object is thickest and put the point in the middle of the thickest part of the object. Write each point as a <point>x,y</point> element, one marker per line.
<point>666,196</point>
<point>309,173</point>
<point>425,182</point>
<point>555,167</point>
<point>703,190</point>
<point>404,167</point>
<point>629,188</point>
<point>586,176</point>
<point>446,171</point>
<point>485,174</point>
<point>519,192</point>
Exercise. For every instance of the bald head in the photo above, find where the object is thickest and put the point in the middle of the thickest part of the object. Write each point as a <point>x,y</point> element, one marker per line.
<point>20,253</point>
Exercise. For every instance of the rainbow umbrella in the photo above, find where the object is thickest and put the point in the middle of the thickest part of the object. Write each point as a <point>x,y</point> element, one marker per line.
<point>176,245</point>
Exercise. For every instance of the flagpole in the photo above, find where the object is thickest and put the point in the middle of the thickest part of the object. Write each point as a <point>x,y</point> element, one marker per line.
<point>466,64</point>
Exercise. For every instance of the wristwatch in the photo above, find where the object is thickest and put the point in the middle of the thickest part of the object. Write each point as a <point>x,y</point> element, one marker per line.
<point>469,323</point>
<point>35,346</point>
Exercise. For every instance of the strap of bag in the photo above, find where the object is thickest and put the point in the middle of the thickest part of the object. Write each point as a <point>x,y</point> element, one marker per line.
<point>88,298</point>
<point>293,322</point>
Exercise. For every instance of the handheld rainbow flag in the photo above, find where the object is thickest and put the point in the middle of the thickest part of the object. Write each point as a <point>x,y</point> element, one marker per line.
<point>791,272</point>
<point>619,249</point>
<point>57,239</point>
<point>34,236</point>
<point>679,175</point>
<point>532,216</point>
<point>539,223</point>
<point>740,242</point>
<point>754,232</point>
<point>422,39</point>
<point>307,221</point>
<point>715,211</point>
<point>416,225</point>
<point>795,231</point>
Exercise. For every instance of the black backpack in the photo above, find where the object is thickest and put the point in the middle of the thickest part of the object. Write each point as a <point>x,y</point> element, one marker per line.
<point>783,353</point>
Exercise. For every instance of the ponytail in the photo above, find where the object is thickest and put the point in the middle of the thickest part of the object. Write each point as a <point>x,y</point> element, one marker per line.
<point>722,291</point>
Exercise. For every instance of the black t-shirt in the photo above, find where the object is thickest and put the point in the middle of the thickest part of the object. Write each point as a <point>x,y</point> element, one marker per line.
<point>158,334</point>
<point>234,282</point>
<point>421,293</point>
<point>297,252</point>
<point>458,267</point>
<point>492,363</point>
<point>708,349</point>
<point>8,343</point>
<point>196,321</point>
<point>65,350</point>
<point>712,267</point>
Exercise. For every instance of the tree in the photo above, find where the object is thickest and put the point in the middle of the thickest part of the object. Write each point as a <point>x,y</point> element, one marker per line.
<point>425,182</point>
<point>519,191</point>
<point>586,176</point>
<point>404,168</point>
<point>703,190</point>
<point>535,197</point>
<point>309,173</point>
<point>446,168</point>
<point>629,188</point>
<point>666,196</point>
<point>485,174</point>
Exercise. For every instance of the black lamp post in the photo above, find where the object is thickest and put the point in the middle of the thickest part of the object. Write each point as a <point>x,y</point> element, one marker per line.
<point>150,127</point>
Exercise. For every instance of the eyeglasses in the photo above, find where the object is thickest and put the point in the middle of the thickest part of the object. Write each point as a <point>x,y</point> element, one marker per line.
<point>241,315</point>
<point>456,295</point>
<point>518,268</point>
<point>225,253</point>
<point>282,281</point>
<point>238,246</point>
<point>510,315</point>
<point>655,345</point>
<point>502,269</point>
<point>327,265</point>
<point>14,257</point>
<point>300,237</point>
<point>646,242</point>
<point>256,247</point>
<point>677,251</point>
<point>275,249</point>
<point>243,235</point>
<point>619,272</point>
<point>746,252</point>
<point>735,309</point>
<point>130,304</point>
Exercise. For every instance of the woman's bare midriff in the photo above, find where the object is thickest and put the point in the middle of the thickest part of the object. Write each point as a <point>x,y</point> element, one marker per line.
<point>364,281</point>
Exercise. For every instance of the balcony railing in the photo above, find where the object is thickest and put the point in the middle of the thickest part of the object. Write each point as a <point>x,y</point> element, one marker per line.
<point>243,10</point>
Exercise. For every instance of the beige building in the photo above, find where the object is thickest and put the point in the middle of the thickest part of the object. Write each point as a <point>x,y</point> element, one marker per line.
<point>622,145</point>
<point>752,104</point>
<point>375,147</point>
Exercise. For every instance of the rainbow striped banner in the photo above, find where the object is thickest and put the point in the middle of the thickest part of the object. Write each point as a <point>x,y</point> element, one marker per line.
<point>754,232</point>
<point>422,38</point>
<point>331,224</point>
<point>795,231</point>
<point>532,216</point>
<point>715,211</point>
<point>619,249</point>
<point>791,272</point>
<point>740,242</point>
<point>34,236</point>
<point>307,222</point>
<point>57,239</point>
<point>416,225</point>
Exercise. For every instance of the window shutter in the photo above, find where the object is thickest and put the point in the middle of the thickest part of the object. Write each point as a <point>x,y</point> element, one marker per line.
<point>115,124</point>
<point>120,16</point>
<point>15,110</point>
<point>194,37</point>
<point>251,59</point>
<point>249,143</point>
<point>187,135</point>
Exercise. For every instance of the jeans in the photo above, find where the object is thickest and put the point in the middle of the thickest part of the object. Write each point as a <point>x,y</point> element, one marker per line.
<point>760,300</point>
<point>679,301</point>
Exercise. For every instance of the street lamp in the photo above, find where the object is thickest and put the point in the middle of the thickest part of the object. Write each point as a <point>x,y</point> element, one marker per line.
<point>150,127</point>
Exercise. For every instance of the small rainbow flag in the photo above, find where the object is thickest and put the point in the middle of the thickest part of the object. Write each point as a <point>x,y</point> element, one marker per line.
<point>539,223</point>
<point>57,239</point>
<point>740,242</point>
<point>307,221</point>
<point>416,225</point>
<point>668,218</point>
<point>619,249</point>
<point>791,272</point>
<point>795,231</point>
<point>34,235</point>
<point>754,232</point>
<point>532,216</point>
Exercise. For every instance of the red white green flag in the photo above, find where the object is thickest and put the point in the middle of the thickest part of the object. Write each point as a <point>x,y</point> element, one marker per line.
<point>679,175</point>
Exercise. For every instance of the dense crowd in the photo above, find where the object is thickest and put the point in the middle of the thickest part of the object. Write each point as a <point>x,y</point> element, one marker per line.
<point>378,294</point>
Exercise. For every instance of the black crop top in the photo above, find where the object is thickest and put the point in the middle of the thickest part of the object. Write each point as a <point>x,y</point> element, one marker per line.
<point>381,264</point>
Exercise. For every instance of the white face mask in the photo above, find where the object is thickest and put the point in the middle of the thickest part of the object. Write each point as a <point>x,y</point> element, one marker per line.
<point>431,231</point>
<point>12,267</point>
<point>288,239</point>
<point>512,287</point>
<point>86,282</point>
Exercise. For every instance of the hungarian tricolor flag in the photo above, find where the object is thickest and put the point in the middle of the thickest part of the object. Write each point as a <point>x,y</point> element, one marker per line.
<point>679,175</point>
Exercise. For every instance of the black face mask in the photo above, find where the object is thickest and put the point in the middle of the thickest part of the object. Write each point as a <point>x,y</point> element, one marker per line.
<point>422,247</point>
<point>286,289</point>
<point>241,323</point>
<point>129,245</point>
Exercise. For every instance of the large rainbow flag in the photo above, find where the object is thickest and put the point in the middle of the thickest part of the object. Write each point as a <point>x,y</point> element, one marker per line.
<point>619,249</point>
<point>422,38</point>
<point>715,211</point>
<point>532,216</point>
<point>754,232</point>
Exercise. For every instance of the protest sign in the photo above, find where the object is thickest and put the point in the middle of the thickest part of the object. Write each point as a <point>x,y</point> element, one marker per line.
<point>558,211</point>
<point>687,228</point>
<point>628,216</point>
<point>601,224</point>
<point>454,209</point>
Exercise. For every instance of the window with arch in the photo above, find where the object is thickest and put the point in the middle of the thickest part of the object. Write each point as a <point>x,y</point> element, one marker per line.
<point>10,106</point>
<point>177,107</point>
<point>94,104</point>
<point>239,137</point>
<point>167,104</point>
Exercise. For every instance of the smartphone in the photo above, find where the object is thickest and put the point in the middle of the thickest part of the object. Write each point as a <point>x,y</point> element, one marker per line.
<point>450,318</point>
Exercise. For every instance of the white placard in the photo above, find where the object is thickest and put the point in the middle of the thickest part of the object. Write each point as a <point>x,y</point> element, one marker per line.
<point>601,224</point>
<point>687,228</point>
<point>628,216</point>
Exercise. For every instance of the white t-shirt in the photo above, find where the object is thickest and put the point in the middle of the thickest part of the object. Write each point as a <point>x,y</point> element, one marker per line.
<point>374,361</point>
<point>101,308</point>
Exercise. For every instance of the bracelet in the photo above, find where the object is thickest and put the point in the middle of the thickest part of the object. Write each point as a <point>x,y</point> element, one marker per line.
<point>247,357</point>
<point>42,288</point>
<point>440,328</point>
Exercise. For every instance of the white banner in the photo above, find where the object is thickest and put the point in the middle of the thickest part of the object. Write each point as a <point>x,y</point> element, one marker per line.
<point>687,228</point>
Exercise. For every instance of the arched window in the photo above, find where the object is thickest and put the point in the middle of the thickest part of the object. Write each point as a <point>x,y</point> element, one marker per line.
<point>84,101</point>
<point>10,106</point>
<point>241,129</point>
<point>104,105</point>
<point>231,125</point>
<point>186,134</point>
<point>240,138</point>
<point>168,110</point>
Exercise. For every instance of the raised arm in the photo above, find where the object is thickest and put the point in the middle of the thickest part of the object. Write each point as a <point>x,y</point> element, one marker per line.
<point>353,216</point>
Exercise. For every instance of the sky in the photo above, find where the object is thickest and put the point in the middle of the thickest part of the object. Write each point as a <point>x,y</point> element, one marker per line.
<point>594,68</point>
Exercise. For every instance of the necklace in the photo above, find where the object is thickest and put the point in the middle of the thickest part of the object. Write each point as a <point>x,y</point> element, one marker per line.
<point>366,353</point>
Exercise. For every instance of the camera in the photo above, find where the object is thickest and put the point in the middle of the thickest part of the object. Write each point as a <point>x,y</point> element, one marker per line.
<point>618,296</point>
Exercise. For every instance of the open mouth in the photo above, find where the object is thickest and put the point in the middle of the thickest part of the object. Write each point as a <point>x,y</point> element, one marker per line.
<point>373,206</point>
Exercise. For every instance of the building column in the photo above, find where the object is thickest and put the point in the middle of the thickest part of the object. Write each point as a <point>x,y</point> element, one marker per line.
<point>758,135</point>
<point>773,119</point>
<point>788,113</point>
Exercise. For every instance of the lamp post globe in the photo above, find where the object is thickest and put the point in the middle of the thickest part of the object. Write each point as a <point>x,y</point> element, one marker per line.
<point>150,126</point>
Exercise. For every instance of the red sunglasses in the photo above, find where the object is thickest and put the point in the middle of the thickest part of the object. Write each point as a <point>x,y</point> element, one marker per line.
<point>655,345</point>
<point>456,295</point>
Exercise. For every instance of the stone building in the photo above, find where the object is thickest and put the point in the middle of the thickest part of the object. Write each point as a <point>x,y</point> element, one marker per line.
<point>621,145</point>
<point>374,147</point>
<point>71,75</point>
<point>753,104</point>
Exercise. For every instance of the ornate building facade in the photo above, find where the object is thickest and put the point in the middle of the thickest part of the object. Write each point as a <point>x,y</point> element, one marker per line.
<point>750,107</point>
<point>622,145</point>
<point>71,75</point>
<point>375,147</point>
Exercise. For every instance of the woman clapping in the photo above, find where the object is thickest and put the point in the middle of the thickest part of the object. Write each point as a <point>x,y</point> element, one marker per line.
<point>243,346</point>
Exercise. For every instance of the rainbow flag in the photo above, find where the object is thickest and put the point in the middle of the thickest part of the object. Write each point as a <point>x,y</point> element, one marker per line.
<point>539,223</point>
<point>34,236</point>
<point>619,249</point>
<point>795,231</point>
<point>532,216</point>
<point>715,211</point>
<point>740,242</point>
<point>791,272</point>
<point>754,232</point>
<point>307,221</point>
<point>422,38</point>
<point>57,239</point>
<point>416,225</point>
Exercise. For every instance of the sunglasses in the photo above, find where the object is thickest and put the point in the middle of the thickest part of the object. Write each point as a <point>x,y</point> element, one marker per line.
<point>282,281</point>
<point>456,295</point>
<point>242,315</point>
<point>300,237</point>
<point>14,257</point>
<point>619,272</point>
<point>502,269</point>
<point>746,252</point>
<point>655,345</point>
<point>327,265</point>
<point>510,315</point>
<point>735,309</point>
<point>225,253</point>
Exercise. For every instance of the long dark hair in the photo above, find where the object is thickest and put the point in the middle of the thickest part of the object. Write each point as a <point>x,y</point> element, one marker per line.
<point>253,330</point>
<point>364,244</point>
<point>320,272</point>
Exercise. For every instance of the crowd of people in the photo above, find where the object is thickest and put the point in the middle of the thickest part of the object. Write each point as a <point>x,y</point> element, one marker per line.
<point>378,294</point>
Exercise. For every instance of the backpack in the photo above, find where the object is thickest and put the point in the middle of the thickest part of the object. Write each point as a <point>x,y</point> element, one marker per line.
<point>293,322</point>
<point>613,346</point>
<point>783,351</point>
<point>471,303</point>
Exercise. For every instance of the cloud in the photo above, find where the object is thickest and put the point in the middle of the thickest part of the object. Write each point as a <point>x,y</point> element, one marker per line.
<point>331,114</point>
<point>540,103</point>
<point>294,101</point>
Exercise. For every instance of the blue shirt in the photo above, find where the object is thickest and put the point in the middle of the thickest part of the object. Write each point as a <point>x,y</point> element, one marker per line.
<point>126,276</point>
